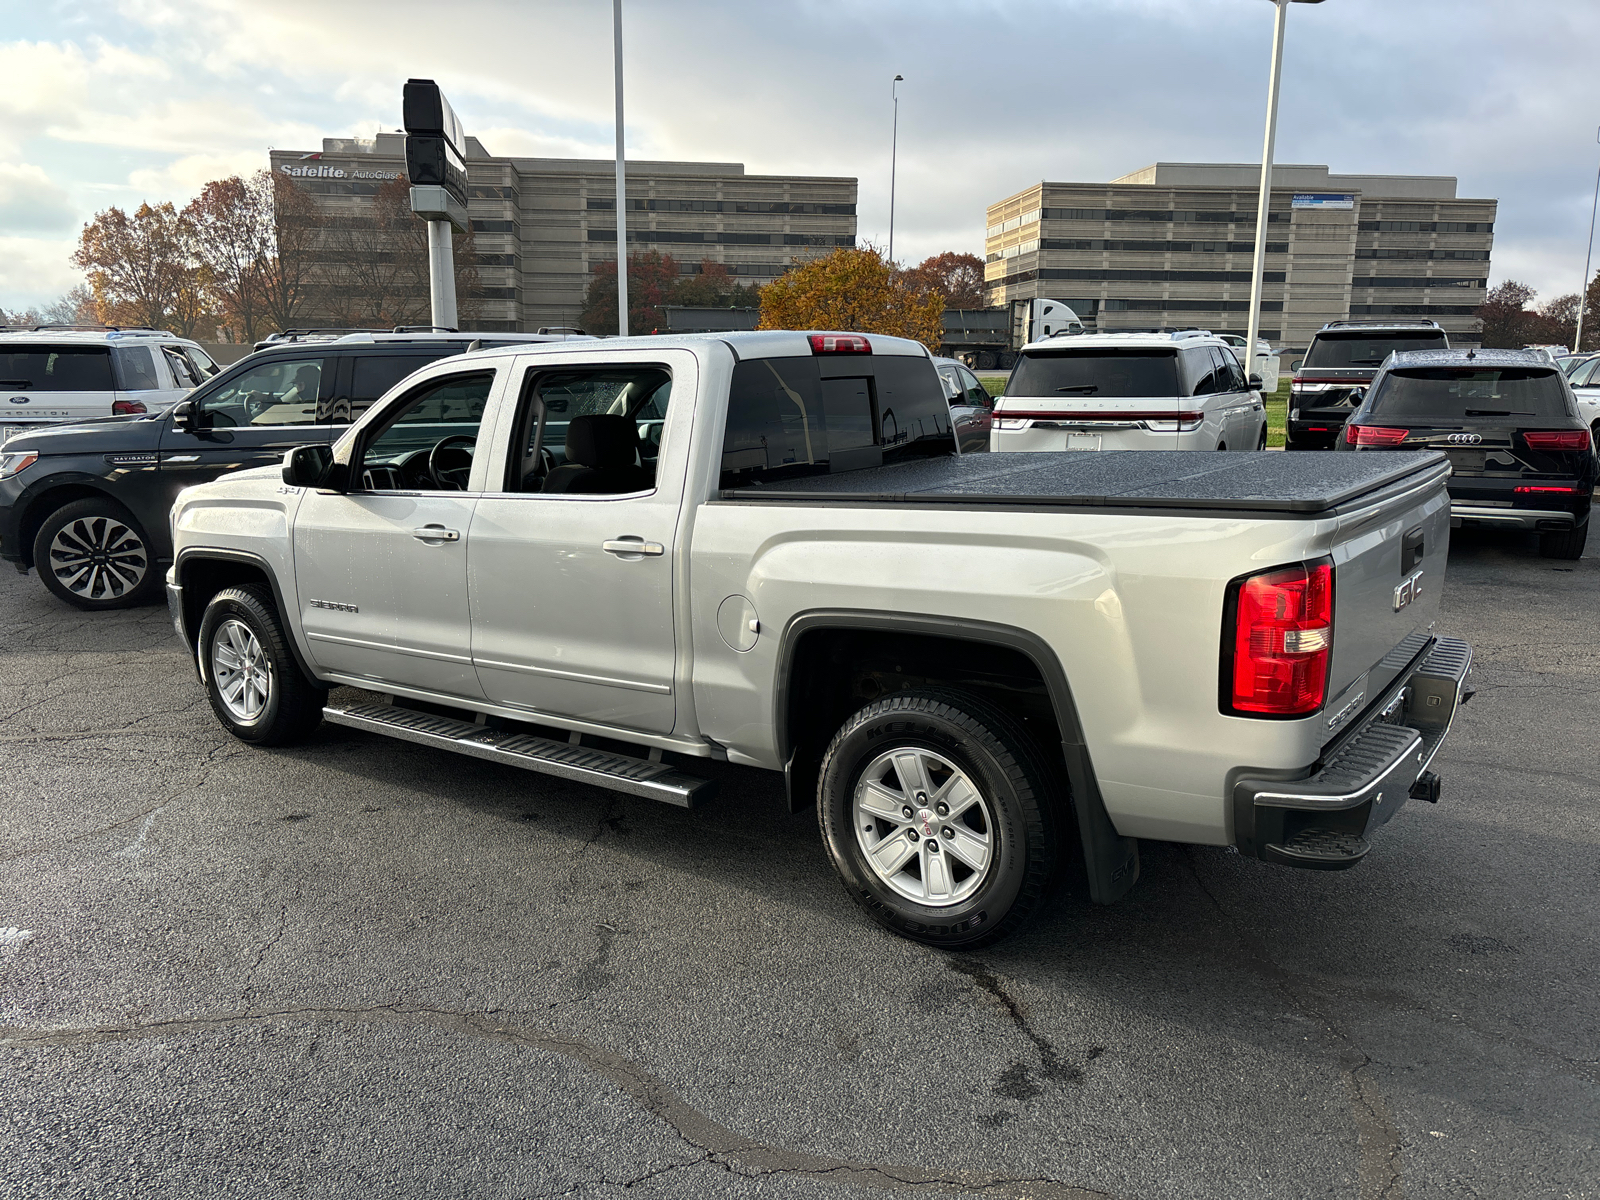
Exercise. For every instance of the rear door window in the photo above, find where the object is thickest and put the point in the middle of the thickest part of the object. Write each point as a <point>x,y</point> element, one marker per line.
<point>786,420</point>
<point>1099,372</point>
<point>1354,351</point>
<point>56,369</point>
<point>1518,395</point>
<point>372,375</point>
<point>183,371</point>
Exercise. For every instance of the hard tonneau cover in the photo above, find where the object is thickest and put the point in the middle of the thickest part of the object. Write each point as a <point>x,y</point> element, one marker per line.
<point>1270,484</point>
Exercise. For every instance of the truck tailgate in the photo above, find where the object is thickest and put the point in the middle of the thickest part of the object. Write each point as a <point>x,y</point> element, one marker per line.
<point>1389,563</point>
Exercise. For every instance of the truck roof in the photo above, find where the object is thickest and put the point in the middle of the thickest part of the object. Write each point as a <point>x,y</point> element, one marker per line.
<point>758,343</point>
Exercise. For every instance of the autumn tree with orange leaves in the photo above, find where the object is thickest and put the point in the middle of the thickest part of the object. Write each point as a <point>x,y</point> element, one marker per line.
<point>956,277</point>
<point>856,291</point>
<point>142,267</point>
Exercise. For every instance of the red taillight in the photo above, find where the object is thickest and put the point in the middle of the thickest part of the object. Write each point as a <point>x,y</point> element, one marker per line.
<point>1544,491</point>
<point>1282,636</point>
<point>1373,435</point>
<point>840,343</point>
<point>1557,439</point>
<point>127,408</point>
<point>1299,379</point>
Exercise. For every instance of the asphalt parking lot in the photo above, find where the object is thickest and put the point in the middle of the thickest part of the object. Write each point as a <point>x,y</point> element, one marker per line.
<point>359,968</point>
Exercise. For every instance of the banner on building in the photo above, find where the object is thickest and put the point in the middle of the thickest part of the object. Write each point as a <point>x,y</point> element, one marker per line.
<point>1323,200</point>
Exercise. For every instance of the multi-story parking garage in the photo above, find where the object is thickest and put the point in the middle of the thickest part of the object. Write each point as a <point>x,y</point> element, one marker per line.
<point>540,225</point>
<point>1171,245</point>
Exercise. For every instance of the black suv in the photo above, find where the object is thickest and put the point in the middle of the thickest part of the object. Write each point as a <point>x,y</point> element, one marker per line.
<point>1521,455</point>
<point>87,503</point>
<point>1339,364</point>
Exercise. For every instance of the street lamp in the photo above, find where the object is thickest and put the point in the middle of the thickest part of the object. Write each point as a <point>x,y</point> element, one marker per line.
<point>894,145</point>
<point>1265,197</point>
<point>1583,289</point>
<point>622,185</point>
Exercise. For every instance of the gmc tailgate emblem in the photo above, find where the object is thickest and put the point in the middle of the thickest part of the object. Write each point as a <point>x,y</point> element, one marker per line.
<point>1407,590</point>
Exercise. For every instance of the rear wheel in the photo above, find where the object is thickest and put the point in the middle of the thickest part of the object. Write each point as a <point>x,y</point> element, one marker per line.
<point>1564,543</point>
<point>935,811</point>
<point>254,684</point>
<point>1261,442</point>
<point>94,555</point>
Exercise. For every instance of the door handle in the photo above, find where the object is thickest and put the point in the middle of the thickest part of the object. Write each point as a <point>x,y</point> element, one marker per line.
<point>633,547</point>
<point>435,533</point>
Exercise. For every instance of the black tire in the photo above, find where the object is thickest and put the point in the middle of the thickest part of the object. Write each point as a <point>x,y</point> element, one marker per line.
<point>1222,445</point>
<point>94,555</point>
<point>1004,768</point>
<point>1261,442</point>
<point>1564,543</point>
<point>292,706</point>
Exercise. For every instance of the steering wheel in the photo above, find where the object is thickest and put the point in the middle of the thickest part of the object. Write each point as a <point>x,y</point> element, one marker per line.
<point>451,479</point>
<point>256,403</point>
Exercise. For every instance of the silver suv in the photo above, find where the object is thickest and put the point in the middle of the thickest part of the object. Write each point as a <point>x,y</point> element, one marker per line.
<point>55,373</point>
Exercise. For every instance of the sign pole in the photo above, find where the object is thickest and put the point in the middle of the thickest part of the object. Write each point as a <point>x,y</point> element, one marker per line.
<point>441,274</point>
<point>1253,328</point>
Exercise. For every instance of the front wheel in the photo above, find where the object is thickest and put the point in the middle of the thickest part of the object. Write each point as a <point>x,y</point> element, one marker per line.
<point>94,555</point>
<point>935,810</point>
<point>1565,543</point>
<point>254,684</point>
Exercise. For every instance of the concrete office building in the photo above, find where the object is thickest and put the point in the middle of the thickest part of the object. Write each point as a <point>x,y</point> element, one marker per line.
<point>541,224</point>
<point>1171,246</point>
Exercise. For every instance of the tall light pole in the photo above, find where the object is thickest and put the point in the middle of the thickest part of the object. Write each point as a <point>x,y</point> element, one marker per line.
<point>1583,290</point>
<point>622,185</point>
<point>1253,330</point>
<point>894,146</point>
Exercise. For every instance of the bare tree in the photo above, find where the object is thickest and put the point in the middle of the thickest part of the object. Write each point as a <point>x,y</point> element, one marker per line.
<point>233,226</point>
<point>286,279</point>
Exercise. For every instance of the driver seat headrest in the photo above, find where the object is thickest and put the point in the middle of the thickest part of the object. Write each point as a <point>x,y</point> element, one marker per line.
<point>604,441</point>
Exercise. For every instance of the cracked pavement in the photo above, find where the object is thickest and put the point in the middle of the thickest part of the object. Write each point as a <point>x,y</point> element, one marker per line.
<point>363,968</point>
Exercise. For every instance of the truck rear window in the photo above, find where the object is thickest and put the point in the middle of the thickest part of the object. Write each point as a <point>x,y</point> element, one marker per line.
<point>786,420</point>
<point>1332,351</point>
<point>1115,373</point>
<point>1468,394</point>
<point>56,369</point>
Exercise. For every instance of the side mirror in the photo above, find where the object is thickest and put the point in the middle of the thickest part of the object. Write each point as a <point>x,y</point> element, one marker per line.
<point>183,415</point>
<point>1255,382</point>
<point>1295,365</point>
<point>307,466</point>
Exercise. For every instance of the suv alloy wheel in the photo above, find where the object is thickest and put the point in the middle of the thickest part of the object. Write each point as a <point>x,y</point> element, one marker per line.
<point>934,810</point>
<point>93,554</point>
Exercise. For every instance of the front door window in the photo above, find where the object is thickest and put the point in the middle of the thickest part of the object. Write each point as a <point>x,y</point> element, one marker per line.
<point>281,392</point>
<point>428,442</point>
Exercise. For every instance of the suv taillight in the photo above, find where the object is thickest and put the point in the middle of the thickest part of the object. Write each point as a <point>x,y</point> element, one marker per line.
<point>127,408</point>
<point>840,343</point>
<point>1373,435</point>
<point>1281,636</point>
<point>1557,439</point>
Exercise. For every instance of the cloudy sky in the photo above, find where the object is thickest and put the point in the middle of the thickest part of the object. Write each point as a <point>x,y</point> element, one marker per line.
<point>117,102</point>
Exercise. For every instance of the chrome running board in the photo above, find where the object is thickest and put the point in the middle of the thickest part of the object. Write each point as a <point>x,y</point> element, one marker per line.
<point>582,764</point>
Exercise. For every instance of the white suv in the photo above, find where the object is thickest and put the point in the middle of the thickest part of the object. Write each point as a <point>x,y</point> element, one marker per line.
<point>1130,391</point>
<point>55,373</point>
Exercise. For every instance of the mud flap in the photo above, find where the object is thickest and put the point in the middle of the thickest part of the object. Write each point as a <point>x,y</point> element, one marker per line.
<point>1110,861</point>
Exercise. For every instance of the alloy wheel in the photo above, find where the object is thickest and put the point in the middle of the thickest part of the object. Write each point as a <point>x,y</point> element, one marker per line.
<point>240,671</point>
<point>923,826</point>
<point>98,558</point>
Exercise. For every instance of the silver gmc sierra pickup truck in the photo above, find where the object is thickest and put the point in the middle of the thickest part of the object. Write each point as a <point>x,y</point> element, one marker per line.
<point>605,561</point>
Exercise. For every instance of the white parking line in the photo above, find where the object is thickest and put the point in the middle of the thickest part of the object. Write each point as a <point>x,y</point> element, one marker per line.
<point>135,848</point>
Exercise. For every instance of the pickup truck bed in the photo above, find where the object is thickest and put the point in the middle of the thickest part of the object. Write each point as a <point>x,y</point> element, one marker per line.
<point>1261,484</point>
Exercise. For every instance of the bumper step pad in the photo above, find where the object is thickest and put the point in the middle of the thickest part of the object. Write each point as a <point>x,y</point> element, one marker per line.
<point>582,764</point>
<point>1320,850</point>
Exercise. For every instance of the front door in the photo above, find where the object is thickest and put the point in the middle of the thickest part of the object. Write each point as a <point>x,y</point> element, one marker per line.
<point>570,562</point>
<point>250,421</point>
<point>381,570</point>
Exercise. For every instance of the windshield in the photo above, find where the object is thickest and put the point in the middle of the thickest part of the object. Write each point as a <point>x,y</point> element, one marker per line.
<point>1469,394</point>
<point>1365,349</point>
<point>56,369</point>
<point>1102,373</point>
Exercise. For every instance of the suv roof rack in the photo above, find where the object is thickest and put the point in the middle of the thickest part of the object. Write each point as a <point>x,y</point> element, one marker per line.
<point>547,329</point>
<point>295,335</point>
<point>419,329</point>
<point>69,327</point>
<point>1421,324</point>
